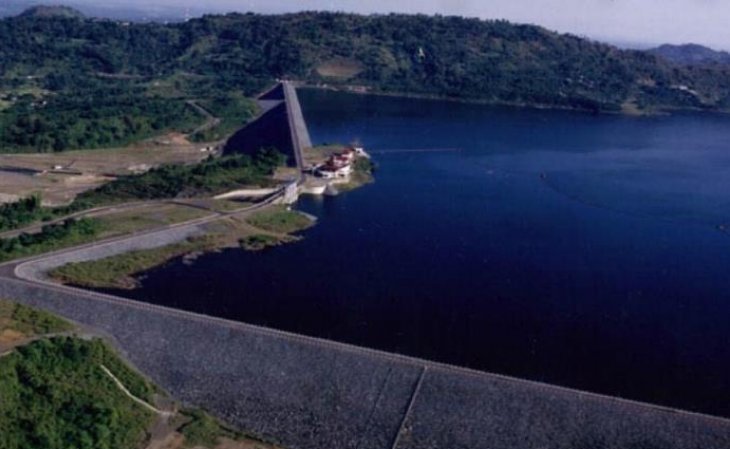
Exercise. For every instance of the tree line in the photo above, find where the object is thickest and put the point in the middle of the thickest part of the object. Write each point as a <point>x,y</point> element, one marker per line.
<point>101,83</point>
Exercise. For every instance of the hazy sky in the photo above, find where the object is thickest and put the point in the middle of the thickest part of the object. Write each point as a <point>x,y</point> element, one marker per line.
<point>627,21</point>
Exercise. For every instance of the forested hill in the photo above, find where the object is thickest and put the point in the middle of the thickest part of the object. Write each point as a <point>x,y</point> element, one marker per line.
<point>493,61</point>
<point>52,11</point>
<point>691,54</point>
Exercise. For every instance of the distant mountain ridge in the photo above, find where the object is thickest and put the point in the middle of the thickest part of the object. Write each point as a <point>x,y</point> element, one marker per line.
<point>688,54</point>
<point>490,61</point>
<point>52,11</point>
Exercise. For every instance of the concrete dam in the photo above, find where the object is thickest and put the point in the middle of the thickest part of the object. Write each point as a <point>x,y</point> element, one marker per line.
<point>281,126</point>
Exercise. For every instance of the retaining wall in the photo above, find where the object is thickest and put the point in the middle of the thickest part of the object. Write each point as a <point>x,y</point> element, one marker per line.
<point>307,393</point>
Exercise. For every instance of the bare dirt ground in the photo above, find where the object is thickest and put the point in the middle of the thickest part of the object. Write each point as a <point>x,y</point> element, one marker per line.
<point>174,440</point>
<point>164,434</point>
<point>59,177</point>
<point>341,68</point>
<point>9,338</point>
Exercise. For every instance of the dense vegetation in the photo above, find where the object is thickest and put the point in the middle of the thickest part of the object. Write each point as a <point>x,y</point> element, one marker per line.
<point>92,117</point>
<point>52,11</point>
<point>258,242</point>
<point>233,109</point>
<point>212,176</point>
<point>55,396</point>
<point>21,212</point>
<point>53,236</point>
<point>691,54</point>
<point>71,63</point>
<point>29,322</point>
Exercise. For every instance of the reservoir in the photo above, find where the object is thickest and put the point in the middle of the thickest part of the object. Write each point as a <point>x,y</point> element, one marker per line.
<point>590,251</point>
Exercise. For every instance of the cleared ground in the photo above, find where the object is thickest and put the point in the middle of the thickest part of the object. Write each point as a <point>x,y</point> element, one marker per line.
<point>59,177</point>
<point>147,217</point>
<point>341,68</point>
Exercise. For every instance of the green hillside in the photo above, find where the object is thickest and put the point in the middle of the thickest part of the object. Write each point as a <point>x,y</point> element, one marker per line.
<point>54,393</point>
<point>52,11</point>
<point>73,83</point>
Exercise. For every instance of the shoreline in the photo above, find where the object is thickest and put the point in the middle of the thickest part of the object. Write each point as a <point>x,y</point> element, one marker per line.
<point>368,90</point>
<point>122,271</point>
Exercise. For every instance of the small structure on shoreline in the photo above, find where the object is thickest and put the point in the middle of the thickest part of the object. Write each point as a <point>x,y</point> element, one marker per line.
<point>336,167</point>
<point>340,165</point>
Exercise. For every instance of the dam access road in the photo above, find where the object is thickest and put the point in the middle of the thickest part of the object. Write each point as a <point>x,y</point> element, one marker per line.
<point>306,393</point>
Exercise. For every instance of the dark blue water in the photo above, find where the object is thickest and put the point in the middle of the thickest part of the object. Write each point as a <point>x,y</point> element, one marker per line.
<point>581,250</point>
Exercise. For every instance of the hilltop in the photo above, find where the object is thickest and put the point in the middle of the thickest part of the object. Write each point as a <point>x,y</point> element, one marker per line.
<point>51,11</point>
<point>137,78</point>
<point>687,54</point>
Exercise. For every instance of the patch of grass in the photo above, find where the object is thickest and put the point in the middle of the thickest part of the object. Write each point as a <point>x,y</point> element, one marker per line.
<point>280,220</point>
<point>55,396</point>
<point>229,205</point>
<point>320,153</point>
<point>30,321</point>
<point>364,165</point>
<point>133,381</point>
<point>204,430</point>
<point>147,218</point>
<point>340,68</point>
<point>118,271</point>
<point>257,242</point>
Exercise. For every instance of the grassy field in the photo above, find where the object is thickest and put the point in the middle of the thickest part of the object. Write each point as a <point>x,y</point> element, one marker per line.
<point>144,218</point>
<point>18,323</point>
<point>262,230</point>
<point>228,205</point>
<point>280,220</point>
<point>118,271</point>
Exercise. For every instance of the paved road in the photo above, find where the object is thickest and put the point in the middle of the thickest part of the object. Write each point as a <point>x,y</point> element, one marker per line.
<point>297,126</point>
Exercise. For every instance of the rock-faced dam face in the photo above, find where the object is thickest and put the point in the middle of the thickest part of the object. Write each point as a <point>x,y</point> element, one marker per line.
<point>281,126</point>
<point>306,393</point>
<point>270,130</point>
